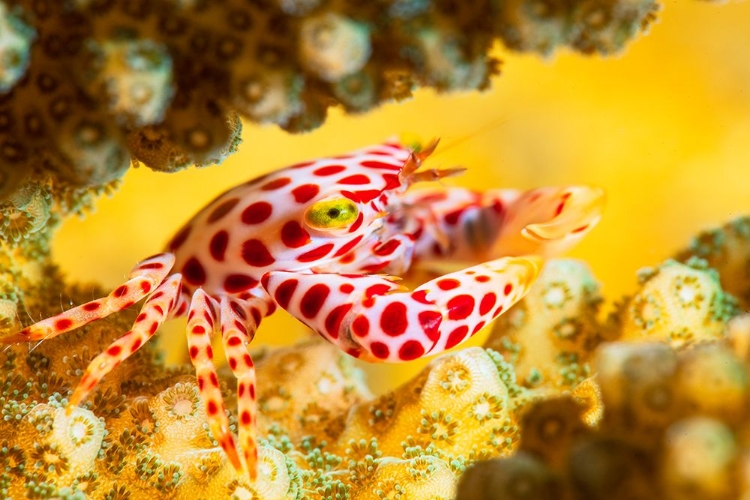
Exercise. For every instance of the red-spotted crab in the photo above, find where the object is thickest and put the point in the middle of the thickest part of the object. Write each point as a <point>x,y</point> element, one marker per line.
<point>321,240</point>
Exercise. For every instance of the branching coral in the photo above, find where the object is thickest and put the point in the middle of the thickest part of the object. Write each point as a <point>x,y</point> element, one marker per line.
<point>88,86</point>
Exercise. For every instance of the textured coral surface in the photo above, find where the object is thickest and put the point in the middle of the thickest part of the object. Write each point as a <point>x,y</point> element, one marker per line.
<point>558,400</point>
<point>88,86</point>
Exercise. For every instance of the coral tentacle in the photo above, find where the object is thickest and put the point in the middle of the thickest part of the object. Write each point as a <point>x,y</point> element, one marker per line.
<point>157,309</point>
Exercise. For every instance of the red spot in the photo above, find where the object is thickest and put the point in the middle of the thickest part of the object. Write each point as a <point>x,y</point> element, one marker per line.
<point>580,229</point>
<point>482,278</point>
<point>248,362</point>
<point>293,236</point>
<point>114,350</point>
<point>234,341</point>
<point>387,248</point>
<point>256,315</point>
<point>508,288</point>
<point>236,283</point>
<point>251,389</point>
<point>421,297</point>
<point>305,193</point>
<point>232,363</point>
<point>361,326</point>
<point>302,165</point>
<point>437,248</point>
<point>126,305</point>
<point>497,312</point>
<point>430,323</point>
<point>199,330</point>
<point>497,206</point>
<point>391,181</point>
<point>241,388</point>
<point>284,292</point>
<point>154,327</point>
<point>223,209</point>
<point>448,284</point>
<point>457,336</point>
<point>212,375</point>
<point>451,218</point>
<point>257,212</point>
<point>559,208</point>
<point>357,223</point>
<point>348,246</point>
<point>246,418</point>
<point>379,164</point>
<point>479,326</point>
<point>355,179</point>
<point>120,291</point>
<point>194,352</point>
<point>180,238</point>
<point>488,302</point>
<point>362,196</point>
<point>63,324</point>
<point>136,345</point>
<point>329,170</point>
<point>316,253</point>
<point>237,309</point>
<point>212,408</point>
<point>379,289</point>
<point>346,288</point>
<point>460,307</point>
<point>218,245</point>
<point>141,317</point>
<point>393,321</point>
<point>276,184</point>
<point>145,287</point>
<point>151,265</point>
<point>334,319</point>
<point>194,272</point>
<point>201,383</point>
<point>416,234</point>
<point>255,253</point>
<point>354,352</point>
<point>91,306</point>
<point>157,295</point>
<point>380,350</point>
<point>159,309</point>
<point>313,300</point>
<point>411,350</point>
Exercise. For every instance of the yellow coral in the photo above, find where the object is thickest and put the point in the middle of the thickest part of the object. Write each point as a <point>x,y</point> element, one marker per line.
<point>550,333</point>
<point>677,303</point>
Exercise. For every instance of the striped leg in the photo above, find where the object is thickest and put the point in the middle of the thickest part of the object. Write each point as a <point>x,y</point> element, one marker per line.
<point>144,277</point>
<point>372,318</point>
<point>200,327</point>
<point>239,321</point>
<point>158,308</point>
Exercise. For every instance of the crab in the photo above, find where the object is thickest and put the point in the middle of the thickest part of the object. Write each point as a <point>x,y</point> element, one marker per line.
<point>323,240</point>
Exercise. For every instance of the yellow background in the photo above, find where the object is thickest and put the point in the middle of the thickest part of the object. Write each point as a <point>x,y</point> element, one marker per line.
<point>664,127</point>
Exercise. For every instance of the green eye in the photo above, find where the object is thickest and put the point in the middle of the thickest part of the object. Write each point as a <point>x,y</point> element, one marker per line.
<point>332,214</point>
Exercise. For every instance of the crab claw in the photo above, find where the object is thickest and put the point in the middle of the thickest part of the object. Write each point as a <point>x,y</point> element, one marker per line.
<point>373,318</point>
<point>547,221</point>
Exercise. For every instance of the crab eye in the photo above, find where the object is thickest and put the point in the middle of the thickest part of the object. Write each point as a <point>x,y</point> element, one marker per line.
<point>332,214</point>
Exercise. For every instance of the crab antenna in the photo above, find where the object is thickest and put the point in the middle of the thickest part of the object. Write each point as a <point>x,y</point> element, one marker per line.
<point>416,158</point>
<point>436,174</point>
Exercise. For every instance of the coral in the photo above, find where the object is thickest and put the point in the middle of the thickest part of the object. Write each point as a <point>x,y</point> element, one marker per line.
<point>677,303</point>
<point>87,87</point>
<point>726,249</point>
<point>549,335</point>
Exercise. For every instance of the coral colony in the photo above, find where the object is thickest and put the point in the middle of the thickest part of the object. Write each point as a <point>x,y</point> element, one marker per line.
<point>650,403</point>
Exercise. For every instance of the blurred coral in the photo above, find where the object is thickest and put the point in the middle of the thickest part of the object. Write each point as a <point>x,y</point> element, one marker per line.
<point>88,86</point>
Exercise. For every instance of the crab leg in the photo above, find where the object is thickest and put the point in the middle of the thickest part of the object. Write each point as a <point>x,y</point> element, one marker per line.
<point>144,277</point>
<point>200,327</point>
<point>373,318</point>
<point>158,308</point>
<point>239,321</point>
